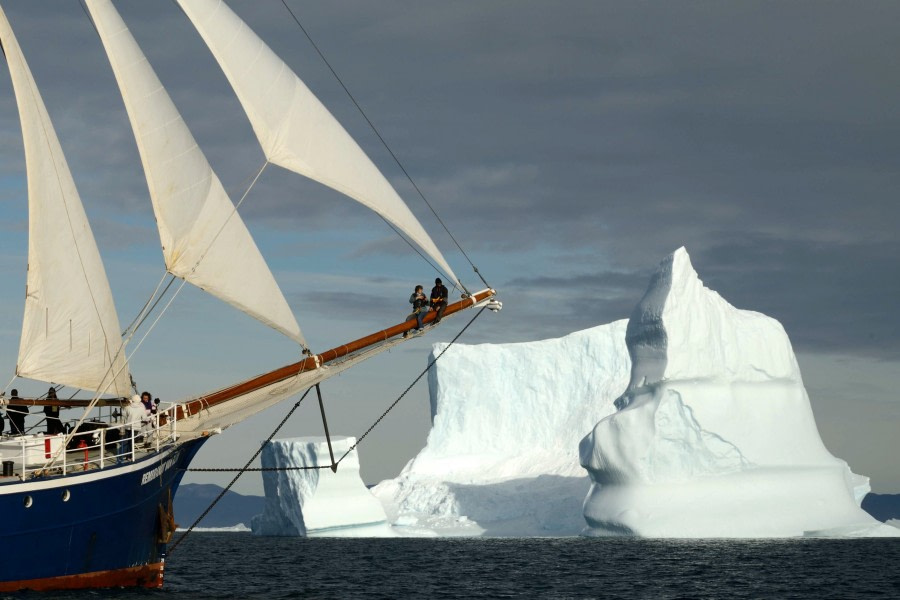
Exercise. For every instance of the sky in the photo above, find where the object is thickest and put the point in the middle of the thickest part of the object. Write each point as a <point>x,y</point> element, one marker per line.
<point>568,147</point>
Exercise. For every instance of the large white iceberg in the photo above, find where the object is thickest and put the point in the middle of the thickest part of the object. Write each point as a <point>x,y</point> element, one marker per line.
<point>502,454</point>
<point>714,436</point>
<point>316,502</point>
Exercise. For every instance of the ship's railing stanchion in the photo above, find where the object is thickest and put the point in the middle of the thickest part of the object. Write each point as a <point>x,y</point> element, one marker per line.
<point>90,450</point>
<point>22,455</point>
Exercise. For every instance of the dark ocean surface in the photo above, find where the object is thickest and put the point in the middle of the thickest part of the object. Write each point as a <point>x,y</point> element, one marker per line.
<point>241,565</point>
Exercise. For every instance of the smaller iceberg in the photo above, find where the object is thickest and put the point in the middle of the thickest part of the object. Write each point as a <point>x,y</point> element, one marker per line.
<point>317,502</point>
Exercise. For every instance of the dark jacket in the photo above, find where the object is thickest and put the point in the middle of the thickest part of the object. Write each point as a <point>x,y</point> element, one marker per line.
<point>439,293</point>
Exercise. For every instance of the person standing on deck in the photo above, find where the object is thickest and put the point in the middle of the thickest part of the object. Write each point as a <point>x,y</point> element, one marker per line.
<point>149,421</point>
<point>132,418</point>
<point>149,406</point>
<point>439,296</point>
<point>54,425</point>
<point>16,413</point>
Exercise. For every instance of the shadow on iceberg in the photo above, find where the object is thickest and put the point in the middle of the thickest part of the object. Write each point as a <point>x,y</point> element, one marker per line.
<point>542,506</point>
<point>547,505</point>
<point>501,457</point>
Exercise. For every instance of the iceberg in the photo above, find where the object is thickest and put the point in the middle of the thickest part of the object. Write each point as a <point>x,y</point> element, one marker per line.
<point>239,528</point>
<point>316,502</point>
<point>714,435</point>
<point>501,457</point>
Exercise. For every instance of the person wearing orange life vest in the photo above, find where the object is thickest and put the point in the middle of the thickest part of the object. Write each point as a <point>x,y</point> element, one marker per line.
<point>439,295</point>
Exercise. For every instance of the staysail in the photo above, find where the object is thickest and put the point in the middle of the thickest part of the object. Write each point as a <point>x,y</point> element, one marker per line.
<point>295,130</point>
<point>70,331</point>
<point>203,238</point>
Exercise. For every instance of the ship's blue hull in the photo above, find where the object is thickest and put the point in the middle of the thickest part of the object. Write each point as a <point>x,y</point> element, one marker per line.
<point>100,528</point>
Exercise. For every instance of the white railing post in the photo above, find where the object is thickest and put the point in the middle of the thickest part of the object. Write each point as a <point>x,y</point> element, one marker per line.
<point>102,446</point>
<point>23,456</point>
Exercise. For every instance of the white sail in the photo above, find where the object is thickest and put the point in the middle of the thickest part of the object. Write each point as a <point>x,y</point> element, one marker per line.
<point>70,332</point>
<point>295,130</point>
<point>203,238</point>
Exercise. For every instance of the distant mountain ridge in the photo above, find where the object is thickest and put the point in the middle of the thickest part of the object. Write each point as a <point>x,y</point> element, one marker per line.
<point>194,498</point>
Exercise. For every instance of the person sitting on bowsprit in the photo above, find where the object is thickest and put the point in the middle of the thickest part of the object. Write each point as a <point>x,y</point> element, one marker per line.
<point>420,307</point>
<point>439,296</point>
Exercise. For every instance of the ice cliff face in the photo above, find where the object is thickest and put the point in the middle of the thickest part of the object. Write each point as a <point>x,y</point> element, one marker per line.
<point>316,502</point>
<point>714,436</point>
<point>501,457</point>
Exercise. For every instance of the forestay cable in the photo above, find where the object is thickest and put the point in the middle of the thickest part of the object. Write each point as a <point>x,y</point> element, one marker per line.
<point>359,440</point>
<point>240,472</point>
<point>384,143</point>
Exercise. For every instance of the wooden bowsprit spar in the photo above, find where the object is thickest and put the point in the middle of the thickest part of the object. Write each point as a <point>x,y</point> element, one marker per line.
<point>227,406</point>
<point>71,403</point>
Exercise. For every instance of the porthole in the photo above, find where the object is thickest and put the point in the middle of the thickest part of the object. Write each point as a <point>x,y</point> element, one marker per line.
<point>28,501</point>
<point>66,495</point>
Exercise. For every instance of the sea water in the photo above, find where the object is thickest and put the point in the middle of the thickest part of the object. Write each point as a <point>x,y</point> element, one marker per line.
<point>241,565</point>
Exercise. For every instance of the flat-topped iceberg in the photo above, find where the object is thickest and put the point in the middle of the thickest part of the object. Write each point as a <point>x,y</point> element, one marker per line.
<point>501,457</point>
<point>714,436</point>
<point>316,502</point>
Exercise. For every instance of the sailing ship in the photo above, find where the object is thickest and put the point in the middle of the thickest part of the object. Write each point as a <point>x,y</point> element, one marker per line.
<point>92,507</point>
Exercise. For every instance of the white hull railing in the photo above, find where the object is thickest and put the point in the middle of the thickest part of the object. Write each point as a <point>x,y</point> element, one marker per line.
<point>97,449</point>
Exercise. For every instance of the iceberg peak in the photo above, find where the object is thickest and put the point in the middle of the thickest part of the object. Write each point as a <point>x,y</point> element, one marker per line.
<point>681,330</point>
<point>714,436</point>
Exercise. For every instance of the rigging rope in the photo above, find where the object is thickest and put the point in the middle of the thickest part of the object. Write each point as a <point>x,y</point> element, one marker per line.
<point>146,304</point>
<point>231,214</point>
<point>311,467</point>
<point>351,449</point>
<point>246,467</point>
<point>384,143</point>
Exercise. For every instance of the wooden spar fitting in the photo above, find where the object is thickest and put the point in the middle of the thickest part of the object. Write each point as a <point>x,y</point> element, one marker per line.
<point>68,403</point>
<point>314,362</point>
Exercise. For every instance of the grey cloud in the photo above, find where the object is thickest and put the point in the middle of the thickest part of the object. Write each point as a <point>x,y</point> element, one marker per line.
<point>830,297</point>
<point>761,136</point>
